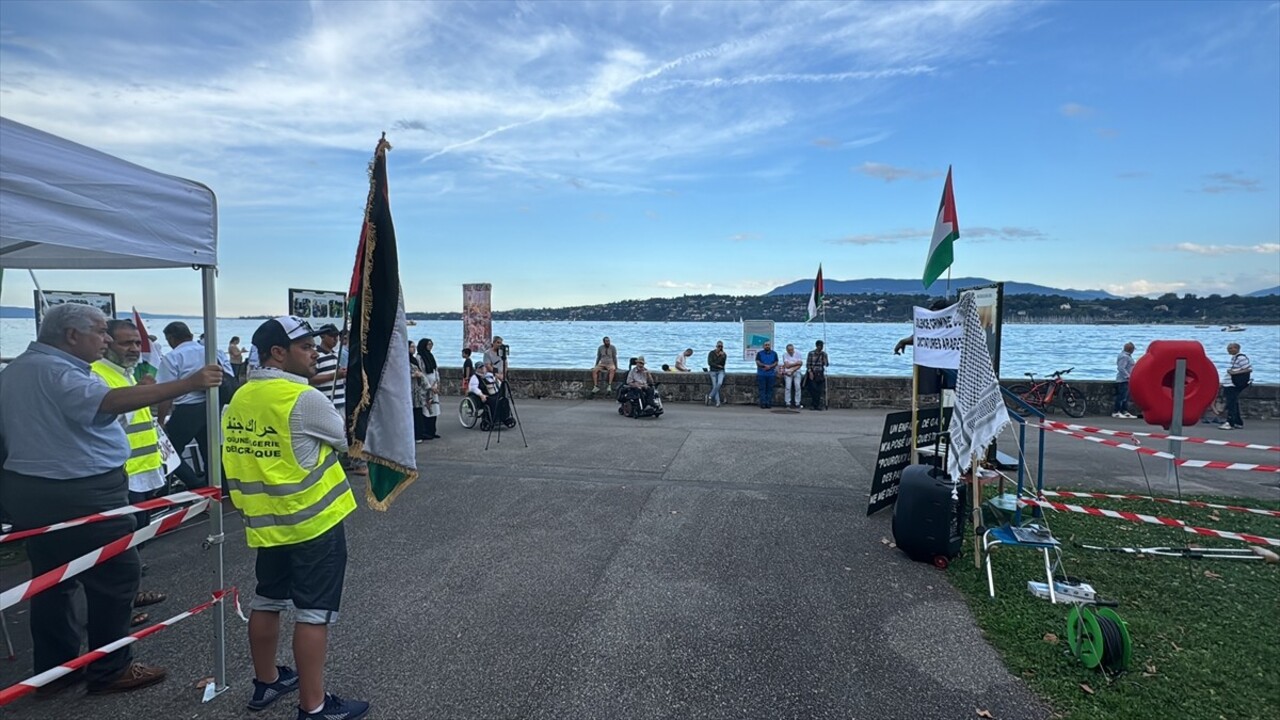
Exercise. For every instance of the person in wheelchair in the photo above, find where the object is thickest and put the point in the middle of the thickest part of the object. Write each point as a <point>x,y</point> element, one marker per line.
<point>487,389</point>
<point>640,382</point>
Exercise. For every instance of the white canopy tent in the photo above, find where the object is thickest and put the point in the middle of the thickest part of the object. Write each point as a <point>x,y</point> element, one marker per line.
<point>67,206</point>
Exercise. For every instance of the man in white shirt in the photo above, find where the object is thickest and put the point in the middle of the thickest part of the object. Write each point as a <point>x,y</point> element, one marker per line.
<point>789,371</point>
<point>184,418</point>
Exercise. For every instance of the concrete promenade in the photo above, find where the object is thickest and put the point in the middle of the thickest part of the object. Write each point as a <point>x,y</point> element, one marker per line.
<point>712,563</point>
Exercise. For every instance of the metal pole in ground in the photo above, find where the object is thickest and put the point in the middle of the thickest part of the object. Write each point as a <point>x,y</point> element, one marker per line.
<point>213,470</point>
<point>1175,428</point>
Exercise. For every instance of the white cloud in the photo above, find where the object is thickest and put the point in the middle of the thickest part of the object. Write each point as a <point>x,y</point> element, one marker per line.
<point>890,173</point>
<point>1144,287</point>
<point>512,85</point>
<point>744,237</point>
<point>972,234</point>
<point>1072,109</point>
<point>1198,249</point>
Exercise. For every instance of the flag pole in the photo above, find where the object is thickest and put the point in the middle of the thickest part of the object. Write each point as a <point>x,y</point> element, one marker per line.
<point>825,391</point>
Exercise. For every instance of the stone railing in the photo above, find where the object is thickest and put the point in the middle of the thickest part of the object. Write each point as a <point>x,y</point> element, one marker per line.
<point>843,391</point>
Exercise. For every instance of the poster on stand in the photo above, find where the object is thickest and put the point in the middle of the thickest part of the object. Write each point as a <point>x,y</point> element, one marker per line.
<point>106,302</point>
<point>755,333</point>
<point>477,316</point>
<point>319,307</point>
<point>990,299</point>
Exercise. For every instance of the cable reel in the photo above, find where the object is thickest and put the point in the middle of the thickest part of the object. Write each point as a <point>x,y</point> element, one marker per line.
<point>1099,638</point>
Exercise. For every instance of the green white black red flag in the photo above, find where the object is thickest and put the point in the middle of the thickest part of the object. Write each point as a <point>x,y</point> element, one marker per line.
<point>379,397</point>
<point>946,230</point>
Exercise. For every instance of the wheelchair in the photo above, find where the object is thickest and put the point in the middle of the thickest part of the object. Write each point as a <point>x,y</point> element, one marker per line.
<point>472,411</point>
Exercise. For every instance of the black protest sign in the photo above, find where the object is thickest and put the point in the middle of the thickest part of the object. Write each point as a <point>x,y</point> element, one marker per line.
<point>895,453</point>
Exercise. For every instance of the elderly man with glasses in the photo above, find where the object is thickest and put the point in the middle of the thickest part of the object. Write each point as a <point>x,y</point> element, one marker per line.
<point>641,380</point>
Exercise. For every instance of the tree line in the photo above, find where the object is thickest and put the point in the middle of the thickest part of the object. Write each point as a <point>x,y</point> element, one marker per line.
<point>1166,309</point>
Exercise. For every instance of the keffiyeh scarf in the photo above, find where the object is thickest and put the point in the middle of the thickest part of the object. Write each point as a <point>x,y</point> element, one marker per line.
<point>979,415</point>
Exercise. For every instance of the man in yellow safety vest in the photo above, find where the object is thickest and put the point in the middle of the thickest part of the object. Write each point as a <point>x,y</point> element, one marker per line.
<point>145,466</point>
<point>282,440</point>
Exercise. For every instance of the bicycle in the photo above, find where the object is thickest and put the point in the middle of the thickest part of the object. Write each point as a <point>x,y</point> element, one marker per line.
<point>1040,394</point>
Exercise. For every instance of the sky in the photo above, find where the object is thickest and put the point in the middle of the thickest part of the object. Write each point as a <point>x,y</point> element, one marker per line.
<point>580,153</point>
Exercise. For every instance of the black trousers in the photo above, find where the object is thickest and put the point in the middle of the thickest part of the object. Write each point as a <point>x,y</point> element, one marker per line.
<point>109,588</point>
<point>816,390</point>
<point>1232,395</point>
<point>187,423</point>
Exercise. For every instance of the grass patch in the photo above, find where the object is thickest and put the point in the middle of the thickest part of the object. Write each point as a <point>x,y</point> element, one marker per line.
<point>1206,633</point>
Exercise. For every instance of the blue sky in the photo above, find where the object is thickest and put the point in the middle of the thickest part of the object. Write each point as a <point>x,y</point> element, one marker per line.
<point>580,153</point>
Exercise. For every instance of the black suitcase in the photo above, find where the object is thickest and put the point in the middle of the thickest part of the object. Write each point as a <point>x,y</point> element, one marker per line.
<point>927,524</point>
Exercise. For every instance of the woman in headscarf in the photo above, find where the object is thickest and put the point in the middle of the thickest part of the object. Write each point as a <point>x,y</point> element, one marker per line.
<point>421,392</point>
<point>431,371</point>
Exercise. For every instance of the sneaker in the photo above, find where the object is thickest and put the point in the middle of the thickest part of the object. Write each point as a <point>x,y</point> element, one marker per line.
<point>1129,416</point>
<point>134,677</point>
<point>335,708</point>
<point>595,389</point>
<point>266,693</point>
<point>1226,426</point>
<point>1117,415</point>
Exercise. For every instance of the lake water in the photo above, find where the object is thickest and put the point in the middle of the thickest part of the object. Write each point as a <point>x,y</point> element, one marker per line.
<point>854,348</point>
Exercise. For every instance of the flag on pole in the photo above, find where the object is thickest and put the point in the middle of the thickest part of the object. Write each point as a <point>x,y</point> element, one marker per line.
<point>379,397</point>
<point>945,232</point>
<point>149,362</point>
<point>815,296</point>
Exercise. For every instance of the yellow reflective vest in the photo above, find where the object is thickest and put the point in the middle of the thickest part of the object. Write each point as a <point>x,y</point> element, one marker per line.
<point>140,426</point>
<point>283,503</point>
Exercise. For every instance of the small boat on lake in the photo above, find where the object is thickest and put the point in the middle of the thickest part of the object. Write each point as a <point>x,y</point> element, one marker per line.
<point>1234,328</point>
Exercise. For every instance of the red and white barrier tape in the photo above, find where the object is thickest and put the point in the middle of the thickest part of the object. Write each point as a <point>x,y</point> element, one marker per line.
<point>31,684</point>
<point>1181,462</point>
<point>37,585</point>
<point>1171,501</point>
<point>181,498</point>
<point>1153,520</point>
<point>1162,436</point>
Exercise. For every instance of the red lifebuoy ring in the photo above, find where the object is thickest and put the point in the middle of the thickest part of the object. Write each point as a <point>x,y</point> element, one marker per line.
<point>1151,383</point>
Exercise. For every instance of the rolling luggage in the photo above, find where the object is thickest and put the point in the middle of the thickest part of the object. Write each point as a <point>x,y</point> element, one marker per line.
<point>927,524</point>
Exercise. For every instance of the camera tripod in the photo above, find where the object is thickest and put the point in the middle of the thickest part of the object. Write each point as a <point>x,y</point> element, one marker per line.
<point>510,399</point>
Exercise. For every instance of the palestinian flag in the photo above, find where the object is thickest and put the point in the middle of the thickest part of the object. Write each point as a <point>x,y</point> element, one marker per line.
<point>379,399</point>
<point>149,363</point>
<point>945,232</point>
<point>815,296</point>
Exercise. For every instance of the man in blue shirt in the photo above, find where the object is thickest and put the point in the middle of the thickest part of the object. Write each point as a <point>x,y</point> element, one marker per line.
<point>766,374</point>
<point>63,453</point>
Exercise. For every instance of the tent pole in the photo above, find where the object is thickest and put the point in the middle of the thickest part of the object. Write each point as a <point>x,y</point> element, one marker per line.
<point>213,466</point>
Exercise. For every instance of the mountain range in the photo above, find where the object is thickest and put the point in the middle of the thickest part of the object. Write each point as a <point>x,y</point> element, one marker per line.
<point>895,286</point>
<point>1265,292</point>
